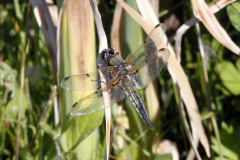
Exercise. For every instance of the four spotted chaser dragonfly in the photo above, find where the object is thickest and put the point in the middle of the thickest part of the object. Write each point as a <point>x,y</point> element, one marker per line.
<point>139,69</point>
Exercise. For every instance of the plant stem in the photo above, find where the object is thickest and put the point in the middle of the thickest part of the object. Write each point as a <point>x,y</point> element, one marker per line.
<point>22,76</point>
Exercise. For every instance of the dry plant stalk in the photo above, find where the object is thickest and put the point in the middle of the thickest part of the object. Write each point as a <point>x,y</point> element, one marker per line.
<point>106,95</point>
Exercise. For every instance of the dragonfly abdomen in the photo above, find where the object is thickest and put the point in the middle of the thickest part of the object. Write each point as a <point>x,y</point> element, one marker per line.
<point>135,98</point>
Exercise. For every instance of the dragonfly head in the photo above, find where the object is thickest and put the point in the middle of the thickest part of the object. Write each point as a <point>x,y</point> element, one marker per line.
<point>110,57</point>
<point>107,54</point>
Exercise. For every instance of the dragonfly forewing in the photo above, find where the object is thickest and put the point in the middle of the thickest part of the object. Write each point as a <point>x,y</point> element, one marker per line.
<point>149,46</point>
<point>82,82</point>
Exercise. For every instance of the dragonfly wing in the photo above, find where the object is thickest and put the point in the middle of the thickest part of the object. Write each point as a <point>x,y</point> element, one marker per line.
<point>149,46</point>
<point>95,102</point>
<point>144,73</point>
<point>82,82</point>
<point>90,81</point>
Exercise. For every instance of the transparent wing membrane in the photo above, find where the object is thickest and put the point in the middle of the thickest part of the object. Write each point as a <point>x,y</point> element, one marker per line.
<point>82,82</point>
<point>95,102</point>
<point>148,47</point>
<point>144,73</point>
<point>90,81</point>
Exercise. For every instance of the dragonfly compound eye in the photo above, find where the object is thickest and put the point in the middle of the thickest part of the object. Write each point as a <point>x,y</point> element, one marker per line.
<point>104,54</point>
<point>111,52</point>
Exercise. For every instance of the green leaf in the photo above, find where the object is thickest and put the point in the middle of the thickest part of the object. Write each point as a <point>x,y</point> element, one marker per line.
<point>230,142</point>
<point>79,128</point>
<point>48,129</point>
<point>163,157</point>
<point>229,76</point>
<point>233,12</point>
<point>8,82</point>
<point>11,111</point>
<point>90,147</point>
<point>24,154</point>
<point>17,10</point>
<point>238,64</point>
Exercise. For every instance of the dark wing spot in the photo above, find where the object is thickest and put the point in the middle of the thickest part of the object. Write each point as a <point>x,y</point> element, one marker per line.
<point>96,92</point>
<point>157,25</point>
<point>146,61</point>
<point>88,75</point>
<point>66,78</point>
<point>144,41</point>
<point>135,71</point>
<point>162,49</point>
<point>74,105</point>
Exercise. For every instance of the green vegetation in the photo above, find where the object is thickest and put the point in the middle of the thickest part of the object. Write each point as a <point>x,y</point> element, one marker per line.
<point>48,133</point>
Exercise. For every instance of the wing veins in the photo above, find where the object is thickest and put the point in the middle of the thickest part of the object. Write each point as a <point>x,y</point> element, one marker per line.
<point>147,42</point>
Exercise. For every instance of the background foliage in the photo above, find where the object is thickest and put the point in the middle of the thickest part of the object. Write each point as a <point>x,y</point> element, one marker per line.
<point>224,85</point>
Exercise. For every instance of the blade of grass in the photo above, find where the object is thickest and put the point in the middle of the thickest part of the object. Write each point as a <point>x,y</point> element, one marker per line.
<point>216,131</point>
<point>205,82</point>
<point>134,141</point>
<point>22,77</point>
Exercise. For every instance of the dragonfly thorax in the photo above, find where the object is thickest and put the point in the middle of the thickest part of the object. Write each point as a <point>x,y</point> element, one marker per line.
<point>122,73</point>
<point>122,65</point>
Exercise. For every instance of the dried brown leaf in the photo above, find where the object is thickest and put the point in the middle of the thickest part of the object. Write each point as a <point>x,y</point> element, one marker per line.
<point>215,7</point>
<point>213,26</point>
<point>115,31</point>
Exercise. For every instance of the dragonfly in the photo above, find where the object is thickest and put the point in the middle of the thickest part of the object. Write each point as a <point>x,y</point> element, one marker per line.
<point>138,70</point>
